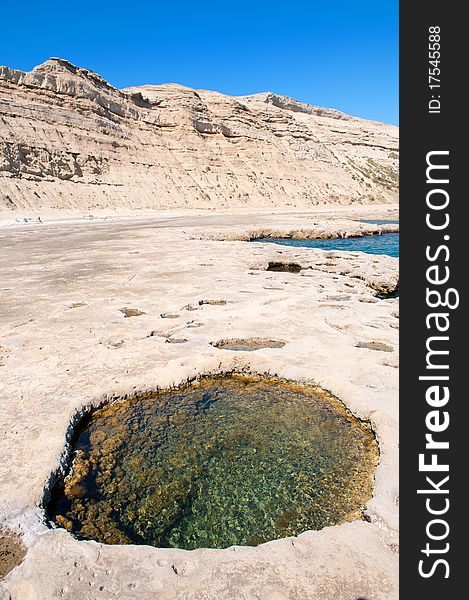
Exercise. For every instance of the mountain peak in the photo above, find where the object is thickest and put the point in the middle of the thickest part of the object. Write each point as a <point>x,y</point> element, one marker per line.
<point>60,66</point>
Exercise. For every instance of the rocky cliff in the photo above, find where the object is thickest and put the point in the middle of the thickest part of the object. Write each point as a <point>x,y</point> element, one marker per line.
<point>70,140</point>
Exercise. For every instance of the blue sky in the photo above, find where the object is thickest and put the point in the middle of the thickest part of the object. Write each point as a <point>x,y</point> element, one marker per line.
<point>341,54</point>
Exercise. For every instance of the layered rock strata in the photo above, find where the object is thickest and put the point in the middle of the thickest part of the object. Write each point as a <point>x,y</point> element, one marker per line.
<point>70,140</point>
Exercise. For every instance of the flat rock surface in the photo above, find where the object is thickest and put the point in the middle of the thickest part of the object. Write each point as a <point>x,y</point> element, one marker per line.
<point>87,311</point>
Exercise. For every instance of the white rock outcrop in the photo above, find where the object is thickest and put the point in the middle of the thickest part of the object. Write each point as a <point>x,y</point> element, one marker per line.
<point>70,140</point>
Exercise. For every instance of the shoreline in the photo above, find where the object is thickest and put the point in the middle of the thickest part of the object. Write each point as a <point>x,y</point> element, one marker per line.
<point>55,217</point>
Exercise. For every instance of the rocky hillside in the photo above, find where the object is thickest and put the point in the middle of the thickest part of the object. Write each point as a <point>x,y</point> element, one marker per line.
<point>70,140</point>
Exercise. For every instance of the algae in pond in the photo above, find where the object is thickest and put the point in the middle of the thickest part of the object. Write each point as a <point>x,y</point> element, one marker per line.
<point>226,460</point>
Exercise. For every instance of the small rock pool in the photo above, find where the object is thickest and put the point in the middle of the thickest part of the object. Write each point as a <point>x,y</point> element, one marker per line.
<point>226,460</point>
<point>386,243</point>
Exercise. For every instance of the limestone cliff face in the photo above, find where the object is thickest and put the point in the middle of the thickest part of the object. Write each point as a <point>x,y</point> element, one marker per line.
<point>69,140</point>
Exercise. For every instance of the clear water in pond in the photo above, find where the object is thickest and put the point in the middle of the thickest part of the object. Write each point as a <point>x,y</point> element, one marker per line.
<point>387,243</point>
<point>226,460</point>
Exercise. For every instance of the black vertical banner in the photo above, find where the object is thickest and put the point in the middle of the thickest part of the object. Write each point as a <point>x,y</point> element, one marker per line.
<point>434,319</point>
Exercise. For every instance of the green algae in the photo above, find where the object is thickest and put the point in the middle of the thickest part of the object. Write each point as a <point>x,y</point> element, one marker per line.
<point>226,460</point>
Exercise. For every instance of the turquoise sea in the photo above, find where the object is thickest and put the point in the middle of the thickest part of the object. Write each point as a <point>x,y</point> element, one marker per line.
<point>387,243</point>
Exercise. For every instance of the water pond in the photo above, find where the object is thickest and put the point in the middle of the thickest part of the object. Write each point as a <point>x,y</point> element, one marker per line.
<point>387,243</point>
<point>225,460</point>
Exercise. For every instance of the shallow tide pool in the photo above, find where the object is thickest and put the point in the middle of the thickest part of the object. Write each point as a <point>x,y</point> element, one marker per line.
<point>387,243</point>
<point>226,460</point>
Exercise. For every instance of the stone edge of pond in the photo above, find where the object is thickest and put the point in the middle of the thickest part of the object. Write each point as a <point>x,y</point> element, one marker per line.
<point>327,230</point>
<point>86,410</point>
<point>380,288</point>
